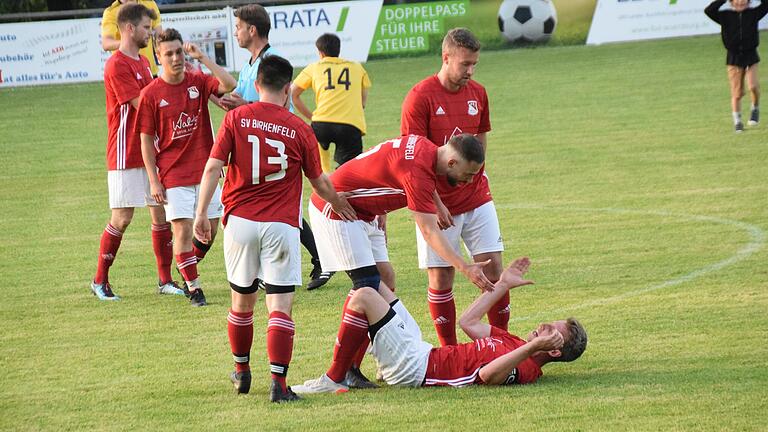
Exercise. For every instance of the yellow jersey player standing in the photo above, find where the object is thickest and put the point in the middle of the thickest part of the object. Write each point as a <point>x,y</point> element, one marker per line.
<point>341,89</point>
<point>110,33</point>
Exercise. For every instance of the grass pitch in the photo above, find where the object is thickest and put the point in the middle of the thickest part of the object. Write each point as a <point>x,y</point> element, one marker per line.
<point>615,168</point>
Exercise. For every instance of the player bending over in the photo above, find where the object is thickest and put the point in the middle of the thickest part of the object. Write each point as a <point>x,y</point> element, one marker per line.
<point>495,357</point>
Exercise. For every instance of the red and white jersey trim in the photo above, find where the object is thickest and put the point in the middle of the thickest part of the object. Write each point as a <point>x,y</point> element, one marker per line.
<point>121,137</point>
<point>456,382</point>
<point>364,193</point>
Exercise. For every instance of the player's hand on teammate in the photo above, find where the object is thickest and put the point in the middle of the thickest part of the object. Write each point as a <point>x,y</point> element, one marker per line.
<point>232,101</point>
<point>202,229</point>
<point>342,208</point>
<point>474,272</point>
<point>512,277</point>
<point>193,50</point>
<point>157,191</point>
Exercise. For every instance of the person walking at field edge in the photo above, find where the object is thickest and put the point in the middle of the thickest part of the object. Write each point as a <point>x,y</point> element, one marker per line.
<point>341,90</point>
<point>176,139</point>
<point>125,74</point>
<point>110,32</point>
<point>494,357</point>
<point>252,26</point>
<point>740,35</point>
<point>267,148</point>
<point>440,107</point>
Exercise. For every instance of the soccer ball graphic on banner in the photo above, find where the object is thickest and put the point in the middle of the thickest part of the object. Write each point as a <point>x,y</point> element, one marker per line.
<point>527,20</point>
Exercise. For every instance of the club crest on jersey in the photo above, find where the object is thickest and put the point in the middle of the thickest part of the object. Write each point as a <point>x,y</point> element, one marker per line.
<point>472,107</point>
<point>193,92</point>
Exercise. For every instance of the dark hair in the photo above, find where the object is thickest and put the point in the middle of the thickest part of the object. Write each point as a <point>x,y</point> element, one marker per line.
<point>576,343</point>
<point>167,35</point>
<point>133,13</point>
<point>460,38</point>
<point>255,15</point>
<point>274,72</point>
<point>329,44</point>
<point>469,147</point>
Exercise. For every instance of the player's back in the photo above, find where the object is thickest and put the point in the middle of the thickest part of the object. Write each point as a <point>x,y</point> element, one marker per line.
<point>338,86</point>
<point>268,148</point>
<point>383,179</point>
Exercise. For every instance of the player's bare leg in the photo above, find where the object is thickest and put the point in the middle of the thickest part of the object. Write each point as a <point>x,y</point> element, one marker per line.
<point>186,261</point>
<point>108,246</point>
<point>736,79</point>
<point>240,333</point>
<point>753,83</point>
<point>280,331</point>
<point>498,315</point>
<point>442,307</point>
<point>387,273</point>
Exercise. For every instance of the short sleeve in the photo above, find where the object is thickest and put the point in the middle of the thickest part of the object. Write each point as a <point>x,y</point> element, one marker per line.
<point>225,139</point>
<point>485,119</point>
<point>414,118</point>
<point>124,84</point>
<point>304,80</point>
<point>210,84</point>
<point>418,187</point>
<point>366,80</point>
<point>145,117</point>
<point>310,161</point>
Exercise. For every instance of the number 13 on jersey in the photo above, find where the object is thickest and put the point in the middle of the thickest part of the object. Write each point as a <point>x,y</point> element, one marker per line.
<point>280,161</point>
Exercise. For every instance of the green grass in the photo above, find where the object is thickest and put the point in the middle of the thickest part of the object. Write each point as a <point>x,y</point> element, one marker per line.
<point>600,158</point>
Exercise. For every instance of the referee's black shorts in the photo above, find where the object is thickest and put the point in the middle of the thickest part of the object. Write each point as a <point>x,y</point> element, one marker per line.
<point>348,140</point>
<point>742,59</point>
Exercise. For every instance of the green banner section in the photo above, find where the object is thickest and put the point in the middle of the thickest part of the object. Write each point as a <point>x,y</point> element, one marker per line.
<point>407,28</point>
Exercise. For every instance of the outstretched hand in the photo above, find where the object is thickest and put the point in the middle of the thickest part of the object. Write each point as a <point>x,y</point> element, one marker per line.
<point>512,277</point>
<point>474,272</point>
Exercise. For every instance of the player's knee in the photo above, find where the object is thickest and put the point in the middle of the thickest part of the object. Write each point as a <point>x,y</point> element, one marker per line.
<point>362,297</point>
<point>365,277</point>
<point>121,221</point>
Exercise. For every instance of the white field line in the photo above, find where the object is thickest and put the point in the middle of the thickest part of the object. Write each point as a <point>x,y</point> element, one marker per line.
<point>756,242</point>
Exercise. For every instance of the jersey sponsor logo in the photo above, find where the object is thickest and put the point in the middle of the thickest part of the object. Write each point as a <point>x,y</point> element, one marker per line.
<point>488,342</point>
<point>184,126</point>
<point>440,111</point>
<point>163,103</point>
<point>193,92</point>
<point>512,378</point>
<point>472,107</point>
<point>456,131</point>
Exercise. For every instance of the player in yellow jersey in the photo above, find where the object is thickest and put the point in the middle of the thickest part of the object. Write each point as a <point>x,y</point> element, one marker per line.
<point>341,89</point>
<point>110,34</point>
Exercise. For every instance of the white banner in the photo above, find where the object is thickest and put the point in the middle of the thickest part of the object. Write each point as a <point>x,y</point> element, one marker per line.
<point>630,20</point>
<point>49,52</point>
<point>295,29</point>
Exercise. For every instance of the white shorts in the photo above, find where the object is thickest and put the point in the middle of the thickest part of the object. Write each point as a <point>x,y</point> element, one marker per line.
<point>347,245</point>
<point>182,202</point>
<point>268,251</point>
<point>129,188</point>
<point>400,353</point>
<point>478,228</point>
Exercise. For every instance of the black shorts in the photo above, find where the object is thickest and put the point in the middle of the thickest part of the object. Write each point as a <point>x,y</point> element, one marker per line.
<point>348,140</point>
<point>743,59</point>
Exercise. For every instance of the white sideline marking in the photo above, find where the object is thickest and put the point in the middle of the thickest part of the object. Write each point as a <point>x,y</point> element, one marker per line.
<point>756,242</point>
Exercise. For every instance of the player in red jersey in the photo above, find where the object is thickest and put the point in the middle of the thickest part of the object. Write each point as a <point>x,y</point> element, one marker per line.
<point>125,74</point>
<point>262,216</point>
<point>176,139</point>
<point>440,107</point>
<point>397,173</point>
<point>495,357</point>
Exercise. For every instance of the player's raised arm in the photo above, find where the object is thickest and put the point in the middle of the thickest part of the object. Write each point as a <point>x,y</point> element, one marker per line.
<point>324,188</point>
<point>427,223</point>
<point>226,81</point>
<point>471,320</point>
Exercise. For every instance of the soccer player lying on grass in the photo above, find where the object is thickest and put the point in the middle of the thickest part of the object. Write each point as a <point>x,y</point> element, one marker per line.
<point>495,357</point>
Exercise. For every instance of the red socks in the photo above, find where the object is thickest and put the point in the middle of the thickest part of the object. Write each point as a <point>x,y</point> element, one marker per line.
<point>162,244</point>
<point>240,331</point>
<point>498,315</point>
<point>280,331</point>
<point>110,242</point>
<point>187,263</point>
<point>200,248</point>
<point>352,336</point>
<point>443,311</point>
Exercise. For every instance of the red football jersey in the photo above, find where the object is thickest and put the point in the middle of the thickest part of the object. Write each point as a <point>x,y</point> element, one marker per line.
<point>431,110</point>
<point>283,145</point>
<point>459,365</point>
<point>395,174</point>
<point>177,116</point>
<point>124,78</point>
